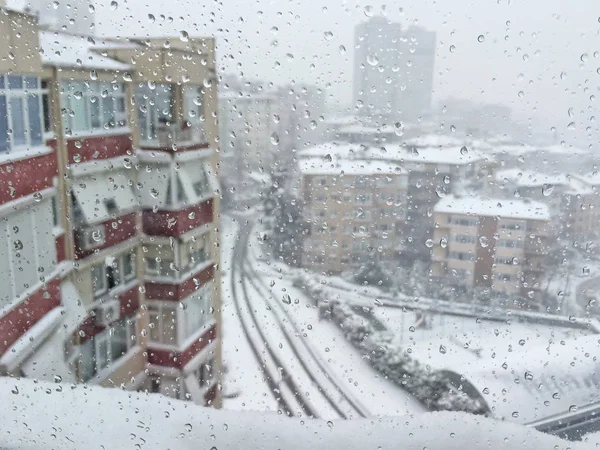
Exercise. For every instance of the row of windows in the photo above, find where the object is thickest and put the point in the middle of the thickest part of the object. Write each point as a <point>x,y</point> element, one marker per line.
<point>22,100</point>
<point>461,256</point>
<point>463,222</point>
<point>90,106</point>
<point>505,261</point>
<point>160,259</point>
<point>112,272</point>
<point>106,347</point>
<point>465,239</point>
<point>510,243</point>
<point>31,250</point>
<point>172,323</point>
<point>86,106</point>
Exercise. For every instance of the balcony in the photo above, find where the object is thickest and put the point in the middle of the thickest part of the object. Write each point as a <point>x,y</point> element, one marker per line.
<point>176,137</point>
<point>175,223</point>
<point>536,246</point>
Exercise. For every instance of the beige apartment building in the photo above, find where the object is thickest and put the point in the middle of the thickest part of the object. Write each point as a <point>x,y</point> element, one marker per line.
<point>355,210</point>
<point>495,244</point>
<point>114,277</point>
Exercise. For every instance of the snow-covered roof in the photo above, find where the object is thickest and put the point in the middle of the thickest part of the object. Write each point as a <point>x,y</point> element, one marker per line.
<point>591,179</point>
<point>453,155</point>
<point>436,140</point>
<point>480,206</point>
<point>529,178</point>
<point>321,166</point>
<point>63,416</point>
<point>397,153</point>
<point>335,150</point>
<point>342,120</point>
<point>522,149</point>
<point>367,130</point>
<point>65,50</point>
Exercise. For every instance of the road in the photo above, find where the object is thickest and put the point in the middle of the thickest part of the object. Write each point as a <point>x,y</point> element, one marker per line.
<point>299,379</point>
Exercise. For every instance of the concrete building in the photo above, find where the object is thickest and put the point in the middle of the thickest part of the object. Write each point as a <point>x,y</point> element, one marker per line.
<point>491,244</point>
<point>355,209</point>
<point>123,166</point>
<point>246,127</point>
<point>393,70</point>
<point>572,201</point>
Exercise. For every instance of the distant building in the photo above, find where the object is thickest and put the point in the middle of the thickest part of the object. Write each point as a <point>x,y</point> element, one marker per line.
<point>490,244</point>
<point>393,70</point>
<point>354,209</point>
<point>73,16</point>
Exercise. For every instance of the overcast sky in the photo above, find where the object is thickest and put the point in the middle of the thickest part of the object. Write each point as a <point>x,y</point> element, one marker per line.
<point>527,45</point>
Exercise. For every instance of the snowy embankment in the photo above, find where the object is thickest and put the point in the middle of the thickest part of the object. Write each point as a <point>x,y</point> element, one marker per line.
<point>38,415</point>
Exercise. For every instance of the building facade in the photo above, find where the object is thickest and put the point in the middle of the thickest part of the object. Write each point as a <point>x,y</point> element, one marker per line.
<point>393,70</point>
<point>492,246</point>
<point>355,211</point>
<point>125,167</point>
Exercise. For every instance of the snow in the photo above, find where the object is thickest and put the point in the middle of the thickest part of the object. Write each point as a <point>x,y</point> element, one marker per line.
<point>436,141</point>
<point>38,415</point>
<point>530,178</point>
<point>494,356</point>
<point>244,378</point>
<point>453,155</point>
<point>367,130</point>
<point>318,166</point>
<point>479,206</point>
<point>65,50</point>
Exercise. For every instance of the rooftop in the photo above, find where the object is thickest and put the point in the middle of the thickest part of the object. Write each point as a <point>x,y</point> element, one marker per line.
<point>321,166</point>
<point>529,178</point>
<point>479,206</point>
<point>66,50</point>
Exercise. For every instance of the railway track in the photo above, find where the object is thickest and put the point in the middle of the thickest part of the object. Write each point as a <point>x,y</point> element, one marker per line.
<point>327,386</point>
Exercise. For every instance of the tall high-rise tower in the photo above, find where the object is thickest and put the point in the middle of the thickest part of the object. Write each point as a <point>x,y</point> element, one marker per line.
<point>393,69</point>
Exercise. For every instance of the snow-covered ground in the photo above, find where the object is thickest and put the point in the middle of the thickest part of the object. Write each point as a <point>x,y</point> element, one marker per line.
<point>320,343</point>
<point>38,415</point>
<point>244,379</point>
<point>460,343</point>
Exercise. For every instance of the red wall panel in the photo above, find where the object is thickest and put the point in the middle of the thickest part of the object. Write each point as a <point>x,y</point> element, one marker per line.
<point>176,223</point>
<point>178,292</point>
<point>27,313</point>
<point>177,359</point>
<point>124,229</point>
<point>26,176</point>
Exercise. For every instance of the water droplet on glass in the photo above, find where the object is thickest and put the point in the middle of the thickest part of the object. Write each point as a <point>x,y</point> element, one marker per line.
<point>442,349</point>
<point>429,243</point>
<point>464,150</point>
<point>114,5</point>
<point>452,48</point>
<point>328,35</point>
<point>481,38</point>
<point>274,138</point>
<point>184,36</point>
<point>372,60</point>
<point>342,49</point>
<point>483,241</point>
<point>547,189</point>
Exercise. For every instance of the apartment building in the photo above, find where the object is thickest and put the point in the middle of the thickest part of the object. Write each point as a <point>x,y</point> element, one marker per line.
<point>125,187</point>
<point>572,201</point>
<point>355,209</point>
<point>432,173</point>
<point>494,244</point>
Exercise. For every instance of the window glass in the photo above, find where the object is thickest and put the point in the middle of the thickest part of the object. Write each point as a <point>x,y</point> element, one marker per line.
<point>34,115</point>
<point>17,113</point>
<point>4,139</point>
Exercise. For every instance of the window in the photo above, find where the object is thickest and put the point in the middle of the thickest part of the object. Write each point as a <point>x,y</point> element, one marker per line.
<point>113,272</point>
<point>163,322</point>
<point>196,311</point>
<point>465,239</point>
<point>21,118</point>
<point>196,251</point>
<point>111,205</point>
<point>461,256</point>
<point>107,347</point>
<point>92,106</point>
<point>510,243</point>
<point>155,110</point>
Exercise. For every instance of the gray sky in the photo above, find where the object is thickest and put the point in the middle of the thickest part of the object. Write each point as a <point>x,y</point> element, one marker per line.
<point>528,44</point>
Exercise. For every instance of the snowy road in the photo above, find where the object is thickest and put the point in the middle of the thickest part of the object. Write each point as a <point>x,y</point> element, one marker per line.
<point>308,368</point>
